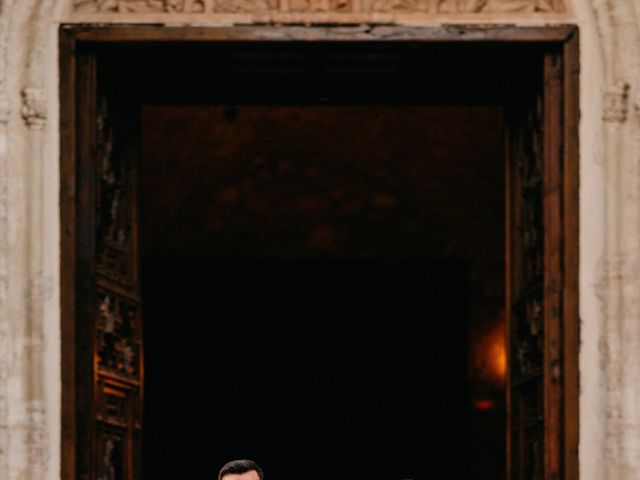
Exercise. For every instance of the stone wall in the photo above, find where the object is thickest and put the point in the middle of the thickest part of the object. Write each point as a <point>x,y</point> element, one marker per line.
<point>316,11</point>
<point>609,197</point>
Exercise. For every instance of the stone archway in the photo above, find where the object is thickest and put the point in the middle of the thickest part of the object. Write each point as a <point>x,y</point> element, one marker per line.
<point>29,228</point>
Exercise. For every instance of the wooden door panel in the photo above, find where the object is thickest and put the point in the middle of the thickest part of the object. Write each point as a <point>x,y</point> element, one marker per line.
<point>525,287</point>
<point>535,246</point>
<point>102,314</point>
<point>118,336</point>
<point>112,363</point>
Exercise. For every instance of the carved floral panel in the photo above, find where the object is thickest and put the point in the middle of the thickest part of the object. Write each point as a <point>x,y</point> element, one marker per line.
<point>205,7</point>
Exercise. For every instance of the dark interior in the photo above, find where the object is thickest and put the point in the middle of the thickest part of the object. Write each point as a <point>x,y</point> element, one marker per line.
<point>316,370</point>
<point>322,232</point>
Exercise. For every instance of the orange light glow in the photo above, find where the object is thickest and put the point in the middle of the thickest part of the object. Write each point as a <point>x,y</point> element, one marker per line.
<point>490,355</point>
<point>498,353</point>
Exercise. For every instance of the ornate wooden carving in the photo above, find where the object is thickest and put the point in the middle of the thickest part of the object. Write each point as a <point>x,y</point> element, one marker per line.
<point>113,360</point>
<point>115,249</point>
<point>118,342</point>
<point>118,324</point>
<point>526,295</point>
<point>535,293</point>
<point>112,454</point>
<point>118,413</point>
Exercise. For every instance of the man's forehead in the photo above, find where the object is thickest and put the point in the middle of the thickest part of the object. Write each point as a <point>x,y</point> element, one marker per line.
<point>250,475</point>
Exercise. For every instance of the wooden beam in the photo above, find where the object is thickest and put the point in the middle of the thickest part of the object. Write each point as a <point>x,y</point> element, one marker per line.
<point>445,33</point>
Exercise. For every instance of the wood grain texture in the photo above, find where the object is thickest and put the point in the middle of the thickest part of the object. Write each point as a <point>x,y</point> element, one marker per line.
<point>68,252</point>
<point>571,227</point>
<point>446,33</point>
<point>553,272</point>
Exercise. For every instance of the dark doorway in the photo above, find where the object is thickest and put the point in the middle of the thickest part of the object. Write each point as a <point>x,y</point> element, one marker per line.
<point>322,281</point>
<point>354,259</point>
<point>319,370</point>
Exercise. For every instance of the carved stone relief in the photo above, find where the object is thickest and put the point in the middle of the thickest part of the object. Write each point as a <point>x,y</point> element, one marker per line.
<point>616,102</point>
<point>234,6</point>
<point>34,107</point>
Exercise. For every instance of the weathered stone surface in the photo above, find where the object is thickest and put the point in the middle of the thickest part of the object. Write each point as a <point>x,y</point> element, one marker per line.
<point>208,7</point>
<point>610,219</point>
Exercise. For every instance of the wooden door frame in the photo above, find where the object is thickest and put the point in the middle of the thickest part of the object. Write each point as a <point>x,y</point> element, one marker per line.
<point>560,198</point>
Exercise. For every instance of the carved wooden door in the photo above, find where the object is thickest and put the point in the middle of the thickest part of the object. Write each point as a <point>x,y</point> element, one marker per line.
<point>102,321</point>
<point>537,231</point>
<point>110,423</point>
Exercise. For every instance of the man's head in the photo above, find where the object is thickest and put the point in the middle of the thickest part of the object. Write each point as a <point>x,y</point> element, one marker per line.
<point>241,470</point>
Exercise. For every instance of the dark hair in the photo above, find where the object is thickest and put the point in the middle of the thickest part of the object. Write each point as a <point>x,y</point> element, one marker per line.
<point>240,466</point>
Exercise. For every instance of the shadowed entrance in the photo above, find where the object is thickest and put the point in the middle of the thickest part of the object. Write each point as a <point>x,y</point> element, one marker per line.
<point>317,301</point>
<point>110,74</point>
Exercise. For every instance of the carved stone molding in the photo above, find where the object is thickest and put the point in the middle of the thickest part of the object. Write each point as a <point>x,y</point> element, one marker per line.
<point>34,107</point>
<point>620,273</point>
<point>29,438</point>
<point>5,335</point>
<point>618,279</point>
<point>5,108</point>
<point>212,7</point>
<point>616,102</point>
